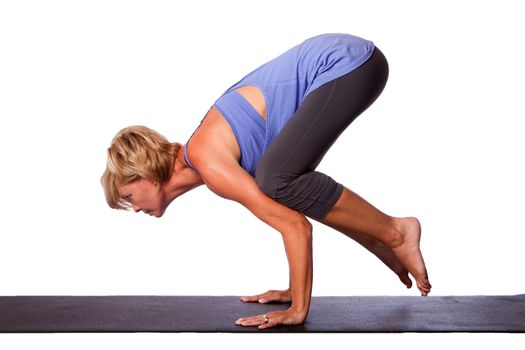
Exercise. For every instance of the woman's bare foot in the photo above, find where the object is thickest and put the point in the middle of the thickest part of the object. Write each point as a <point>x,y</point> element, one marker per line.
<point>408,252</point>
<point>387,256</point>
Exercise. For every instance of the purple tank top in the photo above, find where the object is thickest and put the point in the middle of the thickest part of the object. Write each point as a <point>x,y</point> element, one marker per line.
<point>285,82</point>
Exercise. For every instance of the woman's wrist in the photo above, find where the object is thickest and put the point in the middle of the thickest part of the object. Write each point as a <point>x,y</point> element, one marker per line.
<point>300,309</point>
<point>301,312</point>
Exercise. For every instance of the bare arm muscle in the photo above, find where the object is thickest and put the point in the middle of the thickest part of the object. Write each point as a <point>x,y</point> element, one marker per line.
<point>228,180</point>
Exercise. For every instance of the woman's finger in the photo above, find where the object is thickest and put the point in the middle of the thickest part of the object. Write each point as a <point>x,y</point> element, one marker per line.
<point>269,296</point>
<point>273,318</point>
<point>268,325</point>
<point>251,320</point>
<point>264,297</point>
<point>252,298</point>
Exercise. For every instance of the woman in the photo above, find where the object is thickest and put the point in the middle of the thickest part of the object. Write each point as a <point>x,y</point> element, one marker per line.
<point>259,144</point>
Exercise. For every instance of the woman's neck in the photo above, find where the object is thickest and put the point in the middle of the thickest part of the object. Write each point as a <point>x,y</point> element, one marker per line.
<point>182,179</point>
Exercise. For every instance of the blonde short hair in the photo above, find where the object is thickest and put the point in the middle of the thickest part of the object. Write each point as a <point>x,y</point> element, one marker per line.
<point>136,152</point>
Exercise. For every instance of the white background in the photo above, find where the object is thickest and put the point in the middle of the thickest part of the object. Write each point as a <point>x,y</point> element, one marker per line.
<point>443,142</point>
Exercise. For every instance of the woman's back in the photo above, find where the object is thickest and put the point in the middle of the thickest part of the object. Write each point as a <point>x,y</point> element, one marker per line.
<point>284,82</point>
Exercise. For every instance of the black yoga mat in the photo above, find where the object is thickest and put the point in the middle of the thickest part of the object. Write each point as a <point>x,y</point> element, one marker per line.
<point>218,314</point>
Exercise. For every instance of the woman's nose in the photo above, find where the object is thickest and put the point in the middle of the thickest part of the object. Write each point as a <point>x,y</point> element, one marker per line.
<point>136,209</point>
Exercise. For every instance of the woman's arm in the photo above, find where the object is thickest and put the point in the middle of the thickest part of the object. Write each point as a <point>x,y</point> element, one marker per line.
<point>228,180</point>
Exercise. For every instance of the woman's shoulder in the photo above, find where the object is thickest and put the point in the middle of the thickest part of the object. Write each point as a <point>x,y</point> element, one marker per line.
<point>213,140</point>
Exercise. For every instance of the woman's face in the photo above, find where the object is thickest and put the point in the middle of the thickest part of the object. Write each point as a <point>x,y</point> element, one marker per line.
<point>143,195</point>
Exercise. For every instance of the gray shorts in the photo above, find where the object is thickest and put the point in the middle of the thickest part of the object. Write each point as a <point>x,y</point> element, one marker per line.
<point>286,170</point>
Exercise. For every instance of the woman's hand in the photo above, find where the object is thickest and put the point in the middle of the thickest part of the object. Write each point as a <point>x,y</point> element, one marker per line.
<point>273,318</point>
<point>281,296</point>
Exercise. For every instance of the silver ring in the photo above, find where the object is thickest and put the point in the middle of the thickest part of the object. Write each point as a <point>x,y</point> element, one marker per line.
<point>265,319</point>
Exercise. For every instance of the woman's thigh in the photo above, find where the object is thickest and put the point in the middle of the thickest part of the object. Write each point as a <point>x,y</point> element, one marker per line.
<point>324,114</point>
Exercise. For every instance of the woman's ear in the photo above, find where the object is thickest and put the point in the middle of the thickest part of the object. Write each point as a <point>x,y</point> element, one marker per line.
<point>156,184</point>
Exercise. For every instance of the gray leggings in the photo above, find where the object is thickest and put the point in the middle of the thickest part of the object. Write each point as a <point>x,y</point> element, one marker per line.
<point>286,170</point>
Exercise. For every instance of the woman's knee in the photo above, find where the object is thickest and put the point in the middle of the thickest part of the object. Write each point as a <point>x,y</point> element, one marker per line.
<point>266,180</point>
<point>313,193</point>
<point>274,182</point>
